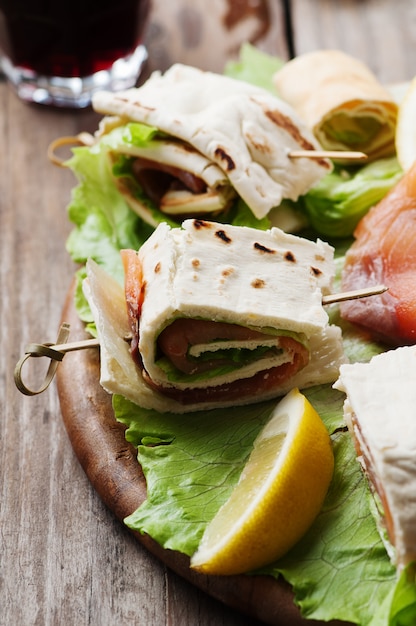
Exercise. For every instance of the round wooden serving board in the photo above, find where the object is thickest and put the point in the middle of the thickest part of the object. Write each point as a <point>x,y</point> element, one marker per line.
<point>112,468</point>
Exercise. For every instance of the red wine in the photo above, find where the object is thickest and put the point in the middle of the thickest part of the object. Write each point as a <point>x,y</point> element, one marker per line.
<point>70,38</point>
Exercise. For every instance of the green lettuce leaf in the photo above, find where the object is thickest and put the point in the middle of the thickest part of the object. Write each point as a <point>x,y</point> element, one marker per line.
<point>255,67</point>
<point>104,223</point>
<point>137,134</point>
<point>403,601</point>
<point>336,204</point>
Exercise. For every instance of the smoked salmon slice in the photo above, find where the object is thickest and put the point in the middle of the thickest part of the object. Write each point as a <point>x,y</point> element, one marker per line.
<point>134,292</point>
<point>384,251</point>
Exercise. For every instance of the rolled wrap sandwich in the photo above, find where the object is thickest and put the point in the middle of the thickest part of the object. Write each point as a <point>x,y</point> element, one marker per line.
<point>379,411</point>
<point>217,316</point>
<point>190,143</point>
<point>341,101</point>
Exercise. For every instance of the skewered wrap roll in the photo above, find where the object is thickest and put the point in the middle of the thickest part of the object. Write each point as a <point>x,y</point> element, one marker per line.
<point>217,138</point>
<point>379,412</point>
<point>219,315</point>
<point>341,101</point>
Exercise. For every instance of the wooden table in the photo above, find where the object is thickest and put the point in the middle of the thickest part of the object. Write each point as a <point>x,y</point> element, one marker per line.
<point>64,558</point>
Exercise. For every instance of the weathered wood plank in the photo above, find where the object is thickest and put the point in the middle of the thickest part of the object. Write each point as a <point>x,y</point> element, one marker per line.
<point>379,32</point>
<point>191,32</point>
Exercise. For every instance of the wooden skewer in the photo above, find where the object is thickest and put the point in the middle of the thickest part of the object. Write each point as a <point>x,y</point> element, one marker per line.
<point>354,295</point>
<point>54,352</point>
<point>328,154</point>
<point>76,345</point>
<point>329,299</point>
<point>82,139</point>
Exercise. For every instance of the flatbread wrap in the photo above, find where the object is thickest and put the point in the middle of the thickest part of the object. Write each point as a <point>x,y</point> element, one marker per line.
<point>217,315</point>
<point>341,101</point>
<point>210,140</point>
<point>379,412</point>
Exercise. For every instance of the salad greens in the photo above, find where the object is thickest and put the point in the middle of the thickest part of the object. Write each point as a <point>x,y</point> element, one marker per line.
<point>104,224</point>
<point>255,67</point>
<point>340,569</point>
<point>336,204</point>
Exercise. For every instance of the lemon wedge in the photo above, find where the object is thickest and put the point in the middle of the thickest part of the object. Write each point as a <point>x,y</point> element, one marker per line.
<point>280,492</point>
<point>406,128</point>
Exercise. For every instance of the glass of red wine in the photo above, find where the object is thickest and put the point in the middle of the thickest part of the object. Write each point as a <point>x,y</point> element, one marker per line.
<point>59,52</point>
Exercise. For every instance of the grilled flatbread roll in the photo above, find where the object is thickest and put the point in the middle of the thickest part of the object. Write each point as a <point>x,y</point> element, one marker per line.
<point>219,315</point>
<point>341,100</point>
<point>233,137</point>
<point>379,411</point>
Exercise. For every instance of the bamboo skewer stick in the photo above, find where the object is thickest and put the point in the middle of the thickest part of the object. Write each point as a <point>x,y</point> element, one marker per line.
<point>82,139</point>
<point>354,295</point>
<point>328,154</point>
<point>83,344</point>
<point>86,139</point>
<point>56,352</point>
